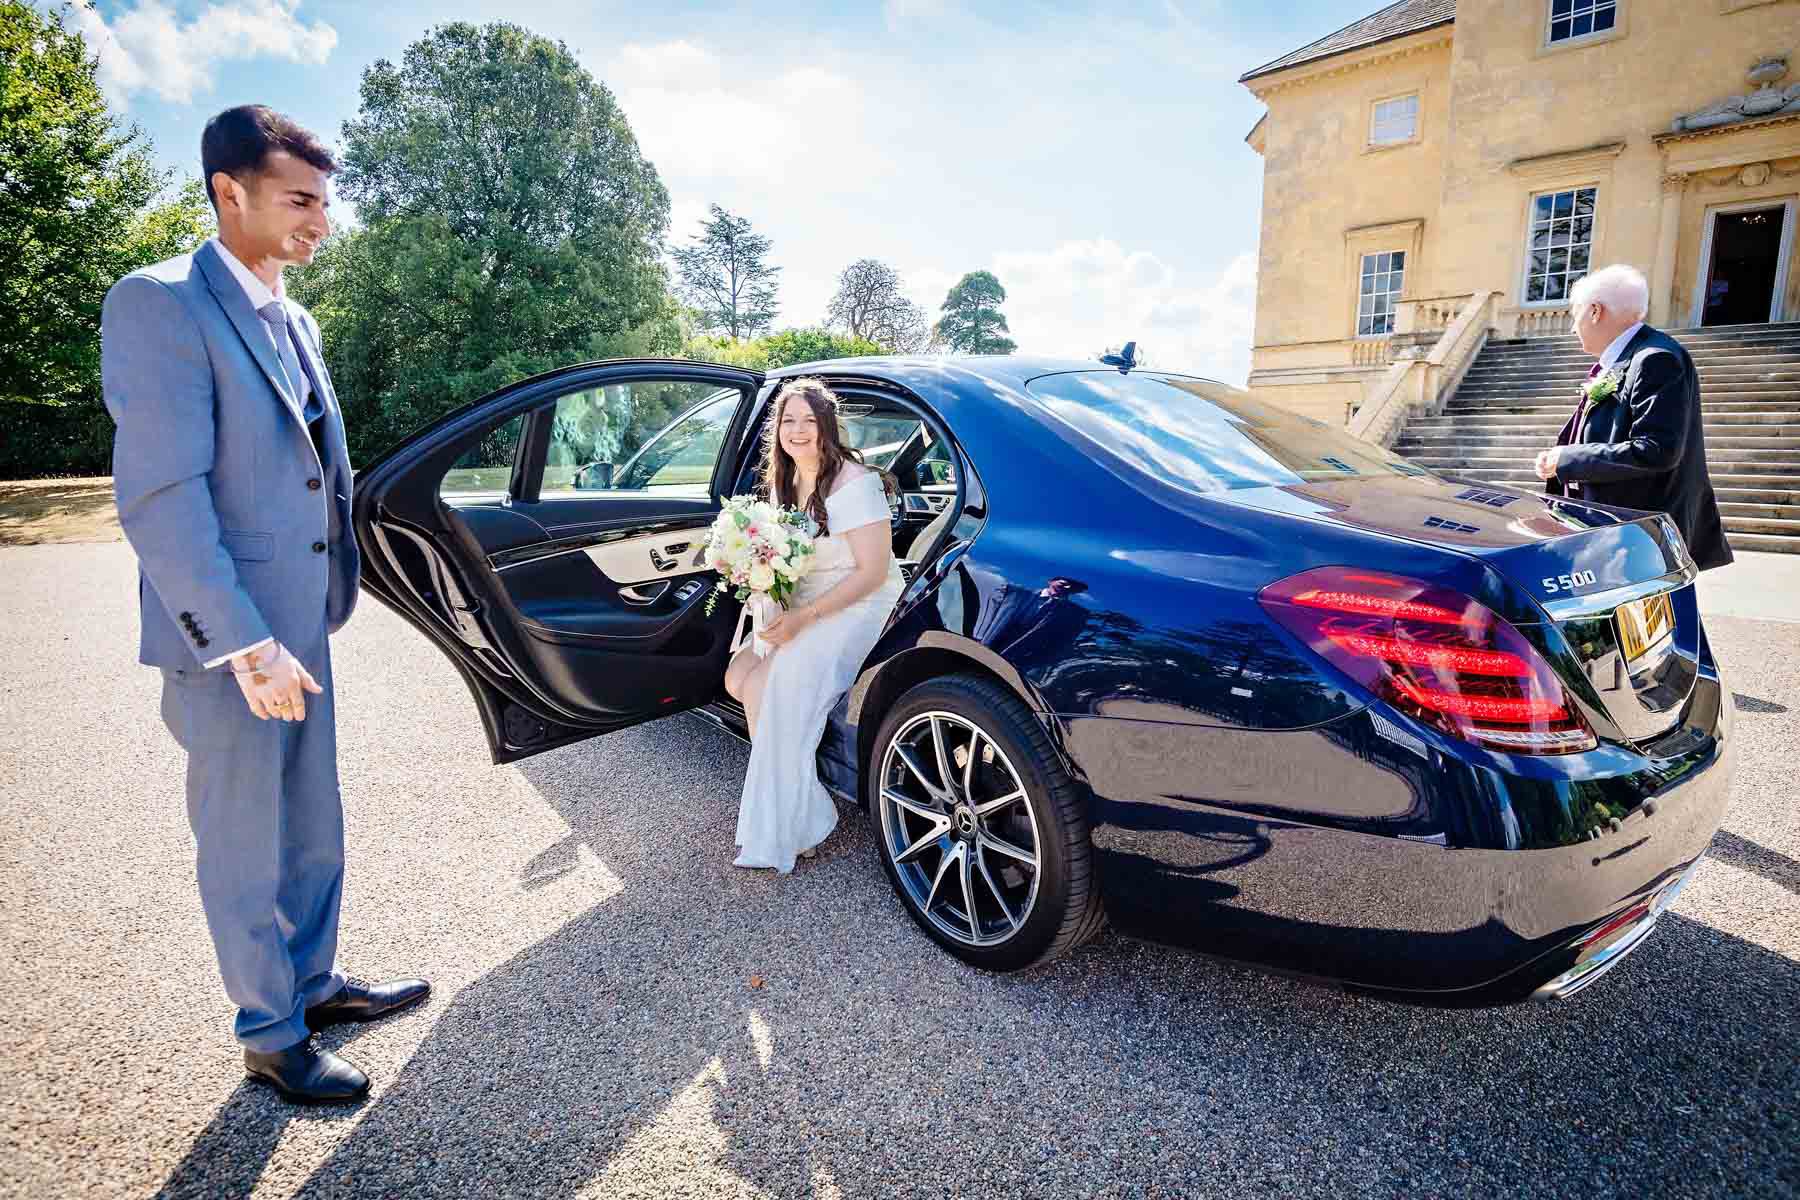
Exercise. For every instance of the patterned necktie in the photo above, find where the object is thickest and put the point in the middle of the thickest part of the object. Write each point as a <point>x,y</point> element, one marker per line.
<point>299,373</point>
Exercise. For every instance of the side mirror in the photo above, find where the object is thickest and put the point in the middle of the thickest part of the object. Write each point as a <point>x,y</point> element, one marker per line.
<point>595,477</point>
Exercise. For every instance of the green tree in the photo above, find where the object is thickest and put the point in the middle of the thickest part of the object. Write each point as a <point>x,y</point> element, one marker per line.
<point>970,321</point>
<point>784,349</point>
<point>726,276</point>
<point>79,210</point>
<point>511,225</point>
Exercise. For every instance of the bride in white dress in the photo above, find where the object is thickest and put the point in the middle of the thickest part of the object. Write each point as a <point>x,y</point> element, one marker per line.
<point>838,611</point>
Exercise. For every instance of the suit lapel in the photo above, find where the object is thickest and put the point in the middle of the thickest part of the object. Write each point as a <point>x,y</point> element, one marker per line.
<point>250,327</point>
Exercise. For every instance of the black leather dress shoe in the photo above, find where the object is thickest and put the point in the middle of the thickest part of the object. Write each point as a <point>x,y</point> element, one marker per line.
<point>359,1001</point>
<point>304,1074</point>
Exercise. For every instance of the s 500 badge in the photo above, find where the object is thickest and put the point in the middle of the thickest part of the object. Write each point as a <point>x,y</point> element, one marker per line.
<point>1567,583</point>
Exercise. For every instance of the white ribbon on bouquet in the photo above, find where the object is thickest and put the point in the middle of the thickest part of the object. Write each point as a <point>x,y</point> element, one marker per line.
<point>759,612</point>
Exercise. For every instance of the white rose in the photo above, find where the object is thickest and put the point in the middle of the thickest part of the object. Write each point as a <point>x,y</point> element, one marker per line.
<point>761,578</point>
<point>782,567</point>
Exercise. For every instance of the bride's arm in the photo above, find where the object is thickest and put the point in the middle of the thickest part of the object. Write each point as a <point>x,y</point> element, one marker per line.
<point>872,546</point>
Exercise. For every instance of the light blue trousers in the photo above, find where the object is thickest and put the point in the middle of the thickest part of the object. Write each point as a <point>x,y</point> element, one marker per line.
<point>262,799</point>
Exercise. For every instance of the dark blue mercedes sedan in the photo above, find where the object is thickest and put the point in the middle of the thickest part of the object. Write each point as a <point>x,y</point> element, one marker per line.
<point>1169,659</point>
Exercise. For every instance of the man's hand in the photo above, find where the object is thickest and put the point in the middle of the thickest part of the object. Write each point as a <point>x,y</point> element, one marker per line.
<point>1546,463</point>
<point>274,683</point>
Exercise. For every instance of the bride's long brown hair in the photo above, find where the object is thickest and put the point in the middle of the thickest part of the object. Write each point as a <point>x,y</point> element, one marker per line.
<point>780,480</point>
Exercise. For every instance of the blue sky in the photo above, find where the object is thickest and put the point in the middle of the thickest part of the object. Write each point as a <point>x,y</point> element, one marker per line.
<point>1092,157</point>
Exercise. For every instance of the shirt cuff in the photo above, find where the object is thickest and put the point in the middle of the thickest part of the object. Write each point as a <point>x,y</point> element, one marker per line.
<point>225,658</point>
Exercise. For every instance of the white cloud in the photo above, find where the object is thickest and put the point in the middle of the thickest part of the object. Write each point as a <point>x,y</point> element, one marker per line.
<point>150,48</point>
<point>1082,296</point>
<point>698,118</point>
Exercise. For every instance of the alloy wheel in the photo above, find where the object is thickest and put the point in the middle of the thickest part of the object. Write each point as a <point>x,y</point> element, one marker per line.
<point>960,828</point>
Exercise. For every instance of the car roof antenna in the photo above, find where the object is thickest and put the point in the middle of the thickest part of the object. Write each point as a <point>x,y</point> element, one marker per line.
<point>1124,359</point>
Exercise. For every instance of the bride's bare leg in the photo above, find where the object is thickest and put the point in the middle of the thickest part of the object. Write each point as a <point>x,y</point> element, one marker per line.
<point>742,663</point>
<point>754,683</point>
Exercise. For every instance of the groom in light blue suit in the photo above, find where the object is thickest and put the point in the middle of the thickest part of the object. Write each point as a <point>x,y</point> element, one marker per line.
<point>233,486</point>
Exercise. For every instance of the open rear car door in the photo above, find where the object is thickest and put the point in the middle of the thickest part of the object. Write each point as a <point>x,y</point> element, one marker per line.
<point>548,538</point>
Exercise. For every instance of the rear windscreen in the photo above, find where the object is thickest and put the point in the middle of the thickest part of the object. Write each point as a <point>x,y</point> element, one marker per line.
<point>1204,437</point>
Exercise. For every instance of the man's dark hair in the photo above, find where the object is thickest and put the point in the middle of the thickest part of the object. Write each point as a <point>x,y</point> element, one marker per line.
<point>239,141</point>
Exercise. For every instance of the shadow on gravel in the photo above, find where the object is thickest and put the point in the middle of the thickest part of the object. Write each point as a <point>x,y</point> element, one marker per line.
<point>632,1044</point>
<point>1772,865</point>
<point>1751,704</point>
<point>230,1154</point>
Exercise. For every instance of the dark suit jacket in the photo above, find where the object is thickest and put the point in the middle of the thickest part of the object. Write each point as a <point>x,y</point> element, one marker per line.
<point>1644,447</point>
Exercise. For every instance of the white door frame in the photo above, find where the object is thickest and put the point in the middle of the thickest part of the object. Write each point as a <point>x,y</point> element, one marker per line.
<point>1783,253</point>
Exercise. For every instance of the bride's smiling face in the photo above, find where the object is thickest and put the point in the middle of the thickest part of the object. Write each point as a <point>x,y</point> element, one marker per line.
<point>799,430</point>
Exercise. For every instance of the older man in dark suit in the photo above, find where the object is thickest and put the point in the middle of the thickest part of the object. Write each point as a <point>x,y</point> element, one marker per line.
<point>1636,439</point>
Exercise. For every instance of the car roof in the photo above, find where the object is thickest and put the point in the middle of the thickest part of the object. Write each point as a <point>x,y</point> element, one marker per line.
<point>1014,370</point>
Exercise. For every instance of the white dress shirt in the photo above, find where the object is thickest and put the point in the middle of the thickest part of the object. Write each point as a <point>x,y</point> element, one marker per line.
<point>1609,358</point>
<point>259,294</point>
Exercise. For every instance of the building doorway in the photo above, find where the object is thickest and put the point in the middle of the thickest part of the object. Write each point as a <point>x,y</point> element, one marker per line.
<point>1744,263</point>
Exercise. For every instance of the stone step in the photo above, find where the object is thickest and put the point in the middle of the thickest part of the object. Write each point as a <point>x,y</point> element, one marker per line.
<point>1474,386</point>
<point>1565,405</point>
<point>1460,441</point>
<point>1735,462</point>
<point>1786,529</point>
<point>1765,543</point>
<point>1768,512</point>
<point>1738,424</point>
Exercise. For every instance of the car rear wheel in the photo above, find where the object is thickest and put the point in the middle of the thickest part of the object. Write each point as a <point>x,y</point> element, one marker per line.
<point>982,832</point>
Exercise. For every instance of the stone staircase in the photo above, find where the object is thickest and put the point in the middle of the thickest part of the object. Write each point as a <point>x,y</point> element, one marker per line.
<point>1517,394</point>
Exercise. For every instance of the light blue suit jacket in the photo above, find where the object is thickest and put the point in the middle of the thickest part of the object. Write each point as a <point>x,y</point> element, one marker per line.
<point>242,529</point>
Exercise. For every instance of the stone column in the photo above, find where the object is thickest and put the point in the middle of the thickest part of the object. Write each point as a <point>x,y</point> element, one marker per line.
<point>1668,235</point>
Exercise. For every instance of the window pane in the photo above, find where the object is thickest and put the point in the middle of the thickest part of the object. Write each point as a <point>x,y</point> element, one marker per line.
<point>485,469</point>
<point>625,437</point>
<point>1556,287</point>
<point>1582,26</point>
<point>1603,19</point>
<point>1540,261</point>
<point>1540,209</point>
<point>1559,31</point>
<point>1584,202</point>
<point>1578,261</point>
<point>1399,260</point>
<point>1368,265</point>
<point>1582,229</point>
<point>1564,203</point>
<point>1560,8</point>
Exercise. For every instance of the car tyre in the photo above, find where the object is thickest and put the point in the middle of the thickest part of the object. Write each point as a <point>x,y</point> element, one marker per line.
<point>945,760</point>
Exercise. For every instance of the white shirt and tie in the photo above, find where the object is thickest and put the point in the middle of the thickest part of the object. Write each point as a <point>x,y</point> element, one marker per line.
<point>271,305</point>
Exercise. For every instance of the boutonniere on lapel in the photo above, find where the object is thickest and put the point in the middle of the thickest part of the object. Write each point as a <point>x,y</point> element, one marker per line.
<point>1603,386</point>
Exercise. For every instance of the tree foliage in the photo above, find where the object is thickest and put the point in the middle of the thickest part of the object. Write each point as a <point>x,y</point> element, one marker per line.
<point>511,225</point>
<point>79,209</point>
<point>970,321</point>
<point>870,304</point>
<point>726,276</point>
<point>83,204</point>
<point>784,349</point>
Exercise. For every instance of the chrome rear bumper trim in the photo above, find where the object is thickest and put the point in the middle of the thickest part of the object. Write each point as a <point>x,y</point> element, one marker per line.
<point>1613,953</point>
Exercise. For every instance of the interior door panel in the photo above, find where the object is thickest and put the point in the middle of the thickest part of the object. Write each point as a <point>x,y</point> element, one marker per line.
<point>580,611</point>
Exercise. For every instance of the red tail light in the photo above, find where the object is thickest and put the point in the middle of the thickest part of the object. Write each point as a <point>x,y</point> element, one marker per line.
<point>1433,653</point>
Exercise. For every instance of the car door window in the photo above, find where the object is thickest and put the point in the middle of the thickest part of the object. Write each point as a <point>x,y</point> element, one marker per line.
<point>661,436</point>
<point>482,473</point>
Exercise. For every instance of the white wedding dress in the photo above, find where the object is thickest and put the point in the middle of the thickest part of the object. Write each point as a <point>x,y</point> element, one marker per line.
<point>785,809</point>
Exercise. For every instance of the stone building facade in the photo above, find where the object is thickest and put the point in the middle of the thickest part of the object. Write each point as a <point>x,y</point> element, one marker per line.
<point>1440,150</point>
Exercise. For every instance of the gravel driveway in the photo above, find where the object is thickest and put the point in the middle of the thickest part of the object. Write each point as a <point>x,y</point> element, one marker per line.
<point>620,1013</point>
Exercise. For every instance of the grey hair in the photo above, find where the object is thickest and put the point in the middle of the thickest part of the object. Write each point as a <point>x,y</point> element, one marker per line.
<point>1622,289</point>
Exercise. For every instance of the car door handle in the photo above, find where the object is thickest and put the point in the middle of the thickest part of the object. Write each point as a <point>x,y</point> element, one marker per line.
<point>644,593</point>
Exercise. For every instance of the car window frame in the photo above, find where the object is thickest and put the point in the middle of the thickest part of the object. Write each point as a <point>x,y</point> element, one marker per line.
<point>529,471</point>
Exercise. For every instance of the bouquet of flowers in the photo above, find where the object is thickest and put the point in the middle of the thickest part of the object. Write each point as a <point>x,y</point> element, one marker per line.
<point>761,551</point>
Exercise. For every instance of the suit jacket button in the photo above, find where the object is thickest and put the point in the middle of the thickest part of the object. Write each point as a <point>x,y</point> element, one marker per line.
<point>187,616</point>
<point>202,642</point>
<point>318,547</point>
<point>313,485</point>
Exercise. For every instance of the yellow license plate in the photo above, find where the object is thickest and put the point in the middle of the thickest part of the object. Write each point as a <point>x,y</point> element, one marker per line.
<point>1644,625</point>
